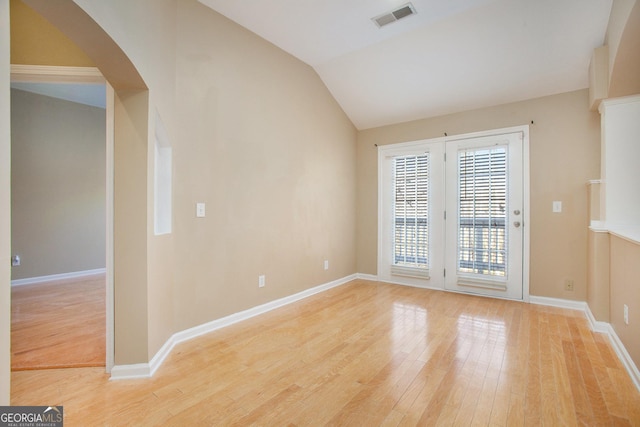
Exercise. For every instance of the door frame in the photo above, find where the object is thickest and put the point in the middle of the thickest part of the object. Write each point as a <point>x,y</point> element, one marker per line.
<point>383,151</point>
<point>59,74</point>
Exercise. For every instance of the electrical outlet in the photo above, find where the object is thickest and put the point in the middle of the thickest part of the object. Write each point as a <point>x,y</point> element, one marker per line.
<point>568,285</point>
<point>326,264</point>
<point>261,281</point>
<point>15,261</point>
<point>626,314</point>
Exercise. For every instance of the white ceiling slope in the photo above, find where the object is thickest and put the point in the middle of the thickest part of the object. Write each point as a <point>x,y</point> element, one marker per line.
<point>453,55</point>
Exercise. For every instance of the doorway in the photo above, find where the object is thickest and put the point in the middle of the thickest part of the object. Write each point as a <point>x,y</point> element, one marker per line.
<point>453,213</point>
<point>78,82</point>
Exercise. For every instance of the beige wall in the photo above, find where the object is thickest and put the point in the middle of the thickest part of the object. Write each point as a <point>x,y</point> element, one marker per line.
<point>625,289</point>
<point>145,31</point>
<point>58,185</point>
<point>256,136</point>
<point>130,227</point>
<point>564,155</point>
<point>598,288</point>
<point>34,41</point>
<point>262,142</point>
<point>5,208</point>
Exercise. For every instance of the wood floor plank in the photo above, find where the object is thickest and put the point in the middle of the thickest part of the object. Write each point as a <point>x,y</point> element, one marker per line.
<point>533,410</point>
<point>59,324</point>
<point>366,353</point>
<point>515,415</point>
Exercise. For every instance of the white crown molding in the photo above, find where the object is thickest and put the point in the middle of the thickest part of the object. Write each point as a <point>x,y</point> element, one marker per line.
<point>55,74</point>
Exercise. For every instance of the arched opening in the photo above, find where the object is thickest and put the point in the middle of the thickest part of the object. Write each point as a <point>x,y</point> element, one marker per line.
<point>129,132</point>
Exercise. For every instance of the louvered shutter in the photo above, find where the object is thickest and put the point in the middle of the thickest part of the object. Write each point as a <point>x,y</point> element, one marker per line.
<point>482,209</point>
<point>411,216</point>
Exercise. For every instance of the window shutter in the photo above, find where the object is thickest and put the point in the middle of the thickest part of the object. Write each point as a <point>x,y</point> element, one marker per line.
<point>482,212</point>
<point>411,216</point>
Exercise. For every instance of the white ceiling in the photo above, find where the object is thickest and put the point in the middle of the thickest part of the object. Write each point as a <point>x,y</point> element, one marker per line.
<point>453,55</point>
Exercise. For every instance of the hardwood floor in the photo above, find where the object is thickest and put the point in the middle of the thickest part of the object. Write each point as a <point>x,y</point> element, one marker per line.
<point>366,354</point>
<point>58,324</point>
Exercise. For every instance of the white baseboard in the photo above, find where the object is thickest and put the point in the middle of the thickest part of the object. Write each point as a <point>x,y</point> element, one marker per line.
<point>557,302</point>
<point>624,356</point>
<point>146,370</point>
<point>61,276</point>
<point>596,326</point>
<point>139,370</point>
<point>371,277</point>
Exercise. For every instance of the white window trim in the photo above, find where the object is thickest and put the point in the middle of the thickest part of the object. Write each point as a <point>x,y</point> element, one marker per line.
<point>385,155</point>
<point>385,151</point>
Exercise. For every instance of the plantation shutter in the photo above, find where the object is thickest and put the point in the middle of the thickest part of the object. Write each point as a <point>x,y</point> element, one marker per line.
<point>411,216</point>
<point>482,212</point>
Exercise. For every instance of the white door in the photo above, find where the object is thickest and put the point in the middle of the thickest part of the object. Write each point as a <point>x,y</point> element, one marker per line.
<point>451,213</point>
<point>484,226</point>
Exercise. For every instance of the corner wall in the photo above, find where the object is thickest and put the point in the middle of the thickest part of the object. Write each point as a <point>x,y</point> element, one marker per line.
<point>5,208</point>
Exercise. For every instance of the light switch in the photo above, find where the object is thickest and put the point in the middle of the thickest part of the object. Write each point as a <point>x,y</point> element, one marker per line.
<point>200,210</point>
<point>557,206</point>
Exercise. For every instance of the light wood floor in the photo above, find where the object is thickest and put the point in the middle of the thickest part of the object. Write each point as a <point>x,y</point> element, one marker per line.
<point>58,324</point>
<point>366,354</point>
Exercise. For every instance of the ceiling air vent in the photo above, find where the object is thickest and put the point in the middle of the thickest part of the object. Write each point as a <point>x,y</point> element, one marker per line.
<point>388,18</point>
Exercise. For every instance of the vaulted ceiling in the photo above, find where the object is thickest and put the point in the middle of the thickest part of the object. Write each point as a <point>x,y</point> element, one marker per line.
<point>452,55</point>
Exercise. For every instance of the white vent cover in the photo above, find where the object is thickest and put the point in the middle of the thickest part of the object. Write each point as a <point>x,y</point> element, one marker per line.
<point>393,16</point>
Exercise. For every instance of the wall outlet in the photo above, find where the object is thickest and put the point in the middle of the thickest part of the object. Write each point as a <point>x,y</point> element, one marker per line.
<point>626,314</point>
<point>201,210</point>
<point>261,281</point>
<point>15,261</point>
<point>568,285</point>
<point>326,264</point>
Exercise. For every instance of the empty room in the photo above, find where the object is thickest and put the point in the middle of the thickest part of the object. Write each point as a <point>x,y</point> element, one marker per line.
<point>330,213</point>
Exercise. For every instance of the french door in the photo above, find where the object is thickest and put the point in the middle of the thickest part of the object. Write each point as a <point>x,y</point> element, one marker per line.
<point>452,213</point>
